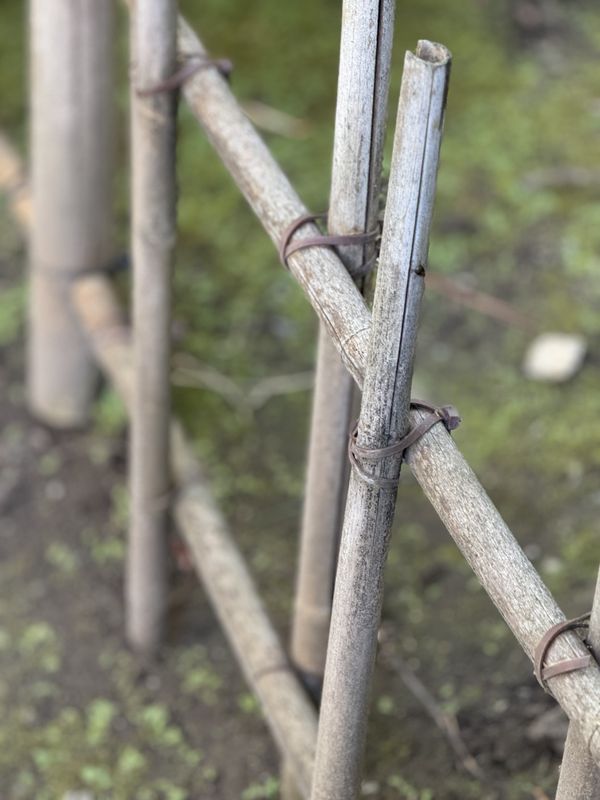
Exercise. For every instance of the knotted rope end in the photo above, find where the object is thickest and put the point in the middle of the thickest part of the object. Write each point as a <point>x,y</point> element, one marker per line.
<point>448,415</point>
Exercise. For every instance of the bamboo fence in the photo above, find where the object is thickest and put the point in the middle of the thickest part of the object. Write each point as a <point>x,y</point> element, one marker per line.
<point>322,752</point>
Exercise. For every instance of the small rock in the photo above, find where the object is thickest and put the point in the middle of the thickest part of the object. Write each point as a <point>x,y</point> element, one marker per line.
<point>554,357</point>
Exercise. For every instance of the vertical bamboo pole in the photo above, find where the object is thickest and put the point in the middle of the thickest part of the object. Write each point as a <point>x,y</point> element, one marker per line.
<point>361,111</point>
<point>384,418</point>
<point>71,173</point>
<point>365,54</point>
<point>579,777</point>
<point>153,123</point>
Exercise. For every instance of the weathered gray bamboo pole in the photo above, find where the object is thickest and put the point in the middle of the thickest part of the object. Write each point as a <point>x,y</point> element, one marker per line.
<point>579,777</point>
<point>153,121</point>
<point>71,165</point>
<point>365,55</point>
<point>288,712</point>
<point>269,193</point>
<point>504,571</point>
<point>363,83</point>
<point>384,418</point>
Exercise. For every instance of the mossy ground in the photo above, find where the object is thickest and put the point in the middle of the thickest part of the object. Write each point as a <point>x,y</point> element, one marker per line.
<point>76,710</point>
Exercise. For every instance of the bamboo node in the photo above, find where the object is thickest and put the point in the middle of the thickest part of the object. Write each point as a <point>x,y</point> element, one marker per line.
<point>542,672</point>
<point>448,415</point>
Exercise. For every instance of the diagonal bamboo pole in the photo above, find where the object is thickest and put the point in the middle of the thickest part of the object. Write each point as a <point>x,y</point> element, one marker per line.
<point>384,417</point>
<point>365,55</point>
<point>272,198</point>
<point>71,161</point>
<point>579,777</point>
<point>504,571</point>
<point>153,45</point>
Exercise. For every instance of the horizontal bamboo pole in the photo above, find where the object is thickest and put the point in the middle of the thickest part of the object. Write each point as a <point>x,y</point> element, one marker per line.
<point>289,714</point>
<point>456,494</point>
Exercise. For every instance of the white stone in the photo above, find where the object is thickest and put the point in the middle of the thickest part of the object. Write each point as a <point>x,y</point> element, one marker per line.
<point>554,357</point>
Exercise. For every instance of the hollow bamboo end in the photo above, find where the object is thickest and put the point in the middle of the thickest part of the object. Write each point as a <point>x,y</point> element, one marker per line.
<point>433,52</point>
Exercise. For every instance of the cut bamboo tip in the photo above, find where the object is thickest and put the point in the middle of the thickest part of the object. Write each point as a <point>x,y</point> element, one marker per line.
<point>433,53</point>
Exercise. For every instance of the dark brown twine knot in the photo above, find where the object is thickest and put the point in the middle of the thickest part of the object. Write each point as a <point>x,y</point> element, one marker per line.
<point>191,66</point>
<point>543,673</point>
<point>287,247</point>
<point>448,415</point>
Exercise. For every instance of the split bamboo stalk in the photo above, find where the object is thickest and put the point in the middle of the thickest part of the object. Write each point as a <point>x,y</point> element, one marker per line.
<point>365,55</point>
<point>153,121</point>
<point>384,417</point>
<point>71,161</point>
<point>579,777</point>
<point>289,713</point>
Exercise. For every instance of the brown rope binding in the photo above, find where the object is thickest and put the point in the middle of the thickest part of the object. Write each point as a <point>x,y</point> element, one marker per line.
<point>192,65</point>
<point>287,247</point>
<point>543,673</point>
<point>448,415</point>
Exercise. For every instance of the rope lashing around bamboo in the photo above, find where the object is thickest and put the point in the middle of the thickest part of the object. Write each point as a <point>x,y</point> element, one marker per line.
<point>543,673</point>
<point>287,247</point>
<point>191,66</point>
<point>448,415</point>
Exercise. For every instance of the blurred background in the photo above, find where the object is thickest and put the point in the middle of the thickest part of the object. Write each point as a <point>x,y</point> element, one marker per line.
<point>518,218</point>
